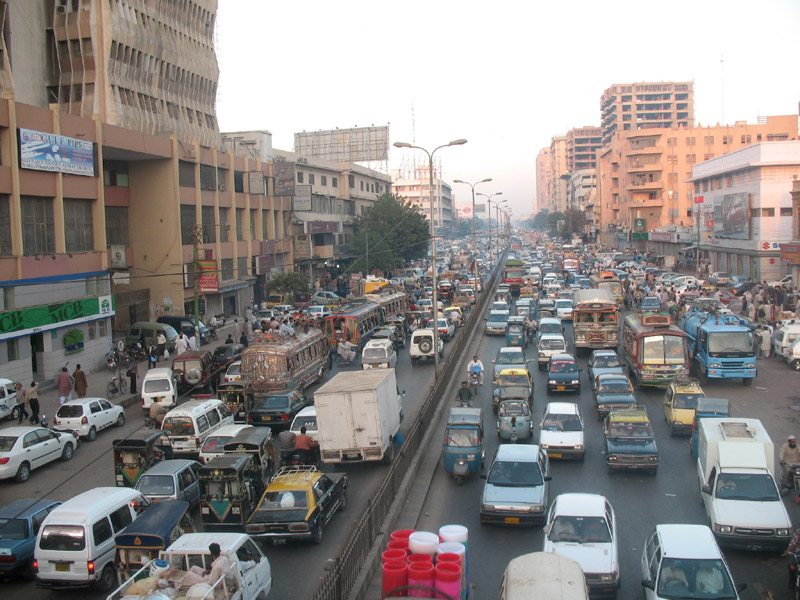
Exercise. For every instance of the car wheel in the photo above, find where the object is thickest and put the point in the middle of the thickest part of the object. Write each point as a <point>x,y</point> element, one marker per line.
<point>92,435</point>
<point>107,580</point>
<point>15,413</point>
<point>343,501</point>
<point>318,533</point>
<point>121,420</point>
<point>67,452</point>
<point>23,473</point>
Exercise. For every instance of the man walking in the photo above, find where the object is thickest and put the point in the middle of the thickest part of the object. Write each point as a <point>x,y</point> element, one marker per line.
<point>64,385</point>
<point>33,402</point>
<point>21,399</point>
<point>81,384</point>
<point>161,340</point>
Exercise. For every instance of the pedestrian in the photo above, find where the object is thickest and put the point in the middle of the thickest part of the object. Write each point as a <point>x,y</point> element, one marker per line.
<point>161,340</point>
<point>192,342</point>
<point>33,402</point>
<point>64,385</point>
<point>133,374</point>
<point>243,339</point>
<point>237,329</point>
<point>79,379</point>
<point>152,355</point>
<point>181,344</point>
<point>230,339</point>
<point>22,398</point>
<point>765,342</point>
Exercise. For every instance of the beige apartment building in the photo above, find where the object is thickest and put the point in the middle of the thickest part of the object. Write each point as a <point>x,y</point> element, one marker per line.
<point>558,154</point>
<point>647,105</point>
<point>148,66</point>
<point>544,180</point>
<point>413,184</point>
<point>645,174</point>
<point>582,146</point>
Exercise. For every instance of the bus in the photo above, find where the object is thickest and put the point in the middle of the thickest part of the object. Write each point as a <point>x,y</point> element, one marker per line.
<point>513,272</point>
<point>608,280</point>
<point>656,351</point>
<point>571,264</point>
<point>393,303</point>
<point>275,362</point>
<point>356,321</point>
<point>595,319</point>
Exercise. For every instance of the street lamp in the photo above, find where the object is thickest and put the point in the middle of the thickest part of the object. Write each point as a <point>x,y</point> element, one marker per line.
<point>497,209</point>
<point>489,200</point>
<point>474,245</point>
<point>459,142</point>
<point>197,243</point>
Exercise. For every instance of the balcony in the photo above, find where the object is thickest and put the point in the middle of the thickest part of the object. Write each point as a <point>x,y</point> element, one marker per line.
<point>649,203</point>
<point>651,168</point>
<point>643,186</point>
<point>324,251</point>
<point>640,150</point>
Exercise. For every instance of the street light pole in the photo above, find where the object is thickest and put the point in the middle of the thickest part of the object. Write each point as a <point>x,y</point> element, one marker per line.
<point>474,245</point>
<point>435,298</point>
<point>489,200</point>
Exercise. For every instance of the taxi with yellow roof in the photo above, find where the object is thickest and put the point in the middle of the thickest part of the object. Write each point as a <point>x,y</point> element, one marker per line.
<point>680,403</point>
<point>630,443</point>
<point>298,503</point>
<point>512,384</point>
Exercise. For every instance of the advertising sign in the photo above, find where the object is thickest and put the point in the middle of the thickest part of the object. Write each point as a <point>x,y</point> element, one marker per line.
<point>27,321</point>
<point>209,278</point>
<point>323,226</point>
<point>255,182</point>
<point>660,236</point>
<point>731,216</point>
<point>480,208</point>
<point>284,178</point>
<point>302,198</point>
<point>42,151</point>
<point>640,225</point>
<point>302,246</point>
<point>357,144</point>
<point>790,253</point>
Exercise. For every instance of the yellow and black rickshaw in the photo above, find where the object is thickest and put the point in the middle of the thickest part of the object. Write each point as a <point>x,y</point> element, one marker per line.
<point>261,444</point>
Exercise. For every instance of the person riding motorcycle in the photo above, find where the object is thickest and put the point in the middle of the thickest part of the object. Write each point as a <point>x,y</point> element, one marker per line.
<point>789,456</point>
<point>465,395</point>
<point>286,439</point>
<point>476,365</point>
<point>305,447</point>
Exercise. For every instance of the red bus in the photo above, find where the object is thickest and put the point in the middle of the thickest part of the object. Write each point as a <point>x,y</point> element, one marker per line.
<point>513,273</point>
<point>656,351</point>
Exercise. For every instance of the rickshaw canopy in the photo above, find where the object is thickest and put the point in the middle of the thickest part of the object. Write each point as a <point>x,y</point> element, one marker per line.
<point>152,530</point>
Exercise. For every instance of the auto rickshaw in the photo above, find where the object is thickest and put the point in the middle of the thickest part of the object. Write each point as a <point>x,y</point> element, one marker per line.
<point>514,420</point>
<point>512,384</point>
<point>463,442</point>
<point>134,455</point>
<point>238,397</point>
<point>260,444</point>
<point>230,488</point>
<point>708,408</point>
<point>454,315</point>
<point>155,530</point>
<point>516,332</point>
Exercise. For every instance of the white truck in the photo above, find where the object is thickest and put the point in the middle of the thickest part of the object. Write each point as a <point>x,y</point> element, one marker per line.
<point>735,466</point>
<point>248,578</point>
<point>358,416</point>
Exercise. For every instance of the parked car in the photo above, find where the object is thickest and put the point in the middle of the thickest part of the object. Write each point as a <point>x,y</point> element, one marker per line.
<point>19,526</point>
<point>603,361</point>
<point>87,416</point>
<point>277,409</point>
<point>8,400</point>
<point>561,431</point>
<point>517,486</point>
<point>563,374</point>
<point>782,282</point>
<point>24,448</point>
<point>584,528</point>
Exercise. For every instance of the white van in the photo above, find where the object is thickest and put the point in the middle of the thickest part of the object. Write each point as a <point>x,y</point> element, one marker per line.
<point>187,426</point>
<point>159,386</point>
<point>784,339</point>
<point>75,546</point>
<point>543,575</point>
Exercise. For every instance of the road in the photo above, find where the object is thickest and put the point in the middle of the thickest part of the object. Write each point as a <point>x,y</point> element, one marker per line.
<point>297,567</point>
<point>639,500</point>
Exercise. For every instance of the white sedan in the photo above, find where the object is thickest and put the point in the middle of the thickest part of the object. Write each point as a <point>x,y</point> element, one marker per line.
<point>25,448</point>
<point>234,372</point>
<point>583,527</point>
<point>561,431</point>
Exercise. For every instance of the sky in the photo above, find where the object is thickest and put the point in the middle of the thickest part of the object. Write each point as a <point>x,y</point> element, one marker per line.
<point>505,75</point>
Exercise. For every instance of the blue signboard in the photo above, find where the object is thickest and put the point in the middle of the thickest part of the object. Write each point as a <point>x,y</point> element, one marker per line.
<point>51,152</point>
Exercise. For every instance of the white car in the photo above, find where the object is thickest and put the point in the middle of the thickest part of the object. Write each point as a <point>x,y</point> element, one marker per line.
<point>421,345</point>
<point>87,416</point>
<point>379,354</point>
<point>326,298</point>
<point>684,561</point>
<point>564,309</point>
<point>318,311</point>
<point>214,445</point>
<point>8,400</point>
<point>234,372</point>
<point>782,282</point>
<point>25,448</point>
<point>447,330</point>
<point>549,344</point>
<point>583,527</point>
<point>561,431</point>
<point>306,418</point>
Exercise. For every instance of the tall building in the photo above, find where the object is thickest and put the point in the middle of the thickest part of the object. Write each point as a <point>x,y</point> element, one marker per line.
<point>639,106</point>
<point>558,154</point>
<point>582,145</point>
<point>412,182</point>
<point>544,180</point>
<point>146,66</point>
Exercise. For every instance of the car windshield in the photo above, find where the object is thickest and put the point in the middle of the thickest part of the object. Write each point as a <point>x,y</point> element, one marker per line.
<point>556,422</point>
<point>235,369</point>
<point>581,530</point>
<point>515,474</point>
<point>551,344</point>
<point>563,366</point>
<point>513,409</point>
<point>688,401</point>
<point>729,344</point>
<point>272,403</point>
<point>630,430</point>
<point>507,379</point>
<point>498,318</point>
<point>156,485</point>
<point>746,486</point>
<point>606,361</point>
<point>63,538</point>
<point>284,499</point>
<point>663,350</point>
<point>178,426</point>
<point>549,328</point>
<point>461,437</point>
<point>614,386</point>
<point>7,442</point>
<point>511,358</point>
<point>70,411</point>
<point>374,353</point>
<point>563,303</point>
<point>152,386</point>
<point>13,529</point>
<point>686,579</point>
<point>651,303</point>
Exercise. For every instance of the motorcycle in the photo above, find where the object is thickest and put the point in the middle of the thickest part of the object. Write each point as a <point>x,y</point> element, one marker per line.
<point>794,574</point>
<point>794,482</point>
<point>112,359</point>
<point>474,382</point>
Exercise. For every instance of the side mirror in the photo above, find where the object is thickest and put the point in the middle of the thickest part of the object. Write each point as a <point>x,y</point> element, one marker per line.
<point>706,489</point>
<point>648,584</point>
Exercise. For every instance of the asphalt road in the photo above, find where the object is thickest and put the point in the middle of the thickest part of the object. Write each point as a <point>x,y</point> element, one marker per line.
<point>296,567</point>
<point>640,501</point>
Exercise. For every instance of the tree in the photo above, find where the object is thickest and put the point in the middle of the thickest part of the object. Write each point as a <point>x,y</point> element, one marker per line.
<point>289,282</point>
<point>553,219</point>
<point>389,232</point>
<point>576,221</point>
<point>540,220</point>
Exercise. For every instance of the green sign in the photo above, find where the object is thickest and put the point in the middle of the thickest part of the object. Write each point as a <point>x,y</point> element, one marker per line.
<point>53,316</point>
<point>73,341</point>
<point>640,224</point>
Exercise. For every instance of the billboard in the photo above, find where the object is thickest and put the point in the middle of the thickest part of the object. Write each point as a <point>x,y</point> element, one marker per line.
<point>732,216</point>
<point>790,253</point>
<point>480,208</point>
<point>302,197</point>
<point>209,279</point>
<point>284,178</point>
<point>255,183</point>
<point>359,144</point>
<point>42,151</point>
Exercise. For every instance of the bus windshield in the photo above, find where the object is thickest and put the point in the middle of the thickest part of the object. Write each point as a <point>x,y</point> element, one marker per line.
<point>663,350</point>
<point>729,344</point>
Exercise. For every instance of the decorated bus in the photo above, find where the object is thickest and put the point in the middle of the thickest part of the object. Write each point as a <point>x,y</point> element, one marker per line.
<point>275,362</point>
<point>656,351</point>
<point>595,319</point>
<point>608,280</point>
<point>356,322</point>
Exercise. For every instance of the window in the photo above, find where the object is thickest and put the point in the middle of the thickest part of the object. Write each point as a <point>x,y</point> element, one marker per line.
<point>352,181</point>
<point>747,139</point>
<point>92,331</point>
<point>335,181</point>
<point>101,328</point>
<point>101,531</point>
<point>240,224</point>
<point>362,185</point>
<point>8,299</point>
<point>226,269</point>
<point>264,222</point>
<point>311,178</point>
<point>253,217</point>
<point>767,212</point>
<point>708,140</point>
<point>279,235</point>
<point>755,213</point>
<point>79,232</point>
<point>209,228</point>
<point>672,141</point>
<point>38,226</point>
<point>786,211</point>
<point>5,225</point>
<point>121,518</point>
<point>323,180</point>
<point>188,221</point>
<point>185,174</point>
<point>241,267</point>
<point>117,225</point>
<point>690,141</point>
<point>223,222</point>
<point>691,159</point>
<point>213,417</point>
<point>300,177</point>
<point>208,177</point>
<point>115,173</point>
<point>238,181</point>
<point>12,350</point>
<point>727,139</point>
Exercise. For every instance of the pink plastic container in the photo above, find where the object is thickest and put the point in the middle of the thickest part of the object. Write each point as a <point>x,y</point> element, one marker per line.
<point>447,579</point>
<point>394,575</point>
<point>420,574</point>
<point>450,557</point>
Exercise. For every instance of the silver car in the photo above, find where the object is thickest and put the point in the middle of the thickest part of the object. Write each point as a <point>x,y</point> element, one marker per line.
<point>517,486</point>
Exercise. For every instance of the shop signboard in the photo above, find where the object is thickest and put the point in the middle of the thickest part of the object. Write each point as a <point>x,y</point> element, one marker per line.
<point>302,246</point>
<point>790,253</point>
<point>283,172</point>
<point>41,151</point>
<point>302,198</point>
<point>209,276</point>
<point>26,321</point>
<point>640,225</point>
<point>660,236</point>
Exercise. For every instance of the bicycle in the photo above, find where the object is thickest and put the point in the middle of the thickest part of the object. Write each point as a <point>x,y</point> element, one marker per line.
<point>117,385</point>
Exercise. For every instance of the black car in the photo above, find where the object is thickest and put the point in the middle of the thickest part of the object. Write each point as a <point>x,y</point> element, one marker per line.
<point>630,443</point>
<point>612,391</point>
<point>563,374</point>
<point>277,410</point>
<point>739,289</point>
<point>226,354</point>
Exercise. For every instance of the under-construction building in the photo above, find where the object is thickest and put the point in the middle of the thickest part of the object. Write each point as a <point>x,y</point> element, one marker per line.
<point>412,182</point>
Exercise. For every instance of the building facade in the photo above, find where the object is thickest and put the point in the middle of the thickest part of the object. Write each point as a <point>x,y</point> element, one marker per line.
<point>414,185</point>
<point>544,180</point>
<point>560,177</point>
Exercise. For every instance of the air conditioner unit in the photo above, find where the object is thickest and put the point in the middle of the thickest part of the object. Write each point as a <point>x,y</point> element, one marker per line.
<point>61,9</point>
<point>222,187</point>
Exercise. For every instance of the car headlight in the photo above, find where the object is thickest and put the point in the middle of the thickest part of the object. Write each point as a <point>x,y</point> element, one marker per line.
<point>577,446</point>
<point>722,528</point>
<point>715,366</point>
<point>542,355</point>
<point>487,507</point>
<point>536,509</point>
<point>575,381</point>
<point>749,365</point>
<point>544,446</point>
<point>612,458</point>
<point>552,381</point>
<point>608,577</point>
<point>784,532</point>
<point>653,458</point>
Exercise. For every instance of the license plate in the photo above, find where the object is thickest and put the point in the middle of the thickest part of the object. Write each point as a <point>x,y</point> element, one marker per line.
<point>512,520</point>
<point>266,418</point>
<point>62,567</point>
<point>555,455</point>
<point>157,399</point>
<point>754,547</point>
<point>561,388</point>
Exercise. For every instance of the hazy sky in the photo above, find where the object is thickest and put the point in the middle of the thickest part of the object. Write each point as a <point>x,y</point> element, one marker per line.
<point>505,75</point>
